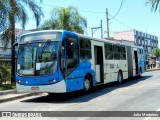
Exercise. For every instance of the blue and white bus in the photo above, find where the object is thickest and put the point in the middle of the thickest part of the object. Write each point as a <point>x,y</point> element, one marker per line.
<point>59,61</point>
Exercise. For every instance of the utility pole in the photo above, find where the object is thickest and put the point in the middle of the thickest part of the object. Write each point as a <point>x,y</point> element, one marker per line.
<point>95,28</point>
<point>107,23</point>
<point>101,30</point>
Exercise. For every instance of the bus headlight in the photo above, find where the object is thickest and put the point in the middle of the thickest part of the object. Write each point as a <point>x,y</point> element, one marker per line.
<point>26,82</point>
<point>53,81</point>
<point>19,81</point>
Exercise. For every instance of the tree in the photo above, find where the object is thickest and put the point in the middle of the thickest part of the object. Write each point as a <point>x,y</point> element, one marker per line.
<point>3,18</point>
<point>154,4</point>
<point>156,52</point>
<point>13,11</point>
<point>65,18</point>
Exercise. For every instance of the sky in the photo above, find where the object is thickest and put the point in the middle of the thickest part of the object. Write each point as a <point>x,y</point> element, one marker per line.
<point>134,14</point>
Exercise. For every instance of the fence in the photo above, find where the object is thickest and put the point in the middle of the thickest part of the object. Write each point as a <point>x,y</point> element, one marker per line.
<point>6,61</point>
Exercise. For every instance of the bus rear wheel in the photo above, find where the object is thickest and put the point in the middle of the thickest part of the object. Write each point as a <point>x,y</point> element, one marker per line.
<point>120,77</point>
<point>87,86</point>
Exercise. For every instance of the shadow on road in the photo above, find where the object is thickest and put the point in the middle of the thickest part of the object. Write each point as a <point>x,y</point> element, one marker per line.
<point>79,96</point>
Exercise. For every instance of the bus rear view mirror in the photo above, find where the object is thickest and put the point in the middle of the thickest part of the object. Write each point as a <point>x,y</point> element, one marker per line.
<point>15,45</point>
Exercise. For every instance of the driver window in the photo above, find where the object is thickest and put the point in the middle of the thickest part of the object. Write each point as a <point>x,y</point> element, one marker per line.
<point>63,69</point>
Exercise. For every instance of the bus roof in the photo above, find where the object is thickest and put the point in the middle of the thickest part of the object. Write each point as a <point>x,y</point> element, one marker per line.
<point>103,40</point>
<point>42,31</point>
<point>81,35</point>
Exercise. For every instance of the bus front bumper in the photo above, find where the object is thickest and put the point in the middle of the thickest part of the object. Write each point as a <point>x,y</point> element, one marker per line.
<point>59,87</point>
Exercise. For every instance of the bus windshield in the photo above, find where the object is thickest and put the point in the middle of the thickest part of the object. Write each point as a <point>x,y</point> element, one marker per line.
<point>37,58</point>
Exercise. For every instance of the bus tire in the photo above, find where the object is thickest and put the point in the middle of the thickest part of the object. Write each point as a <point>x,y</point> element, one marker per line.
<point>120,77</point>
<point>87,85</point>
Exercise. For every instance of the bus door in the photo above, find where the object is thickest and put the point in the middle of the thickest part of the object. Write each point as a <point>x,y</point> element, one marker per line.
<point>135,61</point>
<point>70,61</point>
<point>130,61</point>
<point>98,57</point>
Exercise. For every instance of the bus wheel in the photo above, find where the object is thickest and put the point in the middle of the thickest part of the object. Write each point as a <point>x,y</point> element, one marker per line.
<point>120,77</point>
<point>87,85</point>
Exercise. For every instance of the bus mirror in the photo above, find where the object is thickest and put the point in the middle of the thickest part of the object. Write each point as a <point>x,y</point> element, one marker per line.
<point>15,45</point>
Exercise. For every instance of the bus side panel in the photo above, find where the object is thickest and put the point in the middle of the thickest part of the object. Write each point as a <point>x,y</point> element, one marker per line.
<point>75,80</point>
<point>124,67</point>
<point>108,71</point>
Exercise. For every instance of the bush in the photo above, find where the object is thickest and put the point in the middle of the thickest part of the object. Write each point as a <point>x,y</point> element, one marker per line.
<point>8,86</point>
<point>5,74</point>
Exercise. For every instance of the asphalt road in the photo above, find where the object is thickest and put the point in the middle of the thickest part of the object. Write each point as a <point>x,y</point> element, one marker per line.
<point>139,94</point>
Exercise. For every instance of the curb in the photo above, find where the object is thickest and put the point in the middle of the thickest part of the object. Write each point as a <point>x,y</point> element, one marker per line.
<point>152,70</point>
<point>8,92</point>
<point>18,97</point>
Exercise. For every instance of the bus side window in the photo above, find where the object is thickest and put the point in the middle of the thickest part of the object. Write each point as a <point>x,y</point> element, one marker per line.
<point>116,50</point>
<point>123,52</point>
<point>108,51</point>
<point>85,48</point>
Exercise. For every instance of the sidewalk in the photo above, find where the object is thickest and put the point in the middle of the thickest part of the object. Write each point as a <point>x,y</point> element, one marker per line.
<point>153,69</point>
<point>9,95</point>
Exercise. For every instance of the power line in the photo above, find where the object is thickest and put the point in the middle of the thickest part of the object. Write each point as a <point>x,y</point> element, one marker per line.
<point>122,22</point>
<point>77,9</point>
<point>113,17</point>
<point>90,11</point>
<point>122,2</point>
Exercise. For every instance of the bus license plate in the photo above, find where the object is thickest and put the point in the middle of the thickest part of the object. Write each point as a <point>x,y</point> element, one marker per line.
<point>34,88</point>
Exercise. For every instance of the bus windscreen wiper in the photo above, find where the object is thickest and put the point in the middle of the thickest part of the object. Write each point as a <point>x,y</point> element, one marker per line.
<point>46,45</point>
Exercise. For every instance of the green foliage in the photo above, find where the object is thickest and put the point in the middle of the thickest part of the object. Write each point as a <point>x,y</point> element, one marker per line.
<point>13,11</point>
<point>7,86</point>
<point>65,19</point>
<point>154,4</point>
<point>156,52</point>
<point>5,74</point>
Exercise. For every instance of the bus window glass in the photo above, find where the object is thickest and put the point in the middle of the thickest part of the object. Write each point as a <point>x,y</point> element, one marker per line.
<point>116,50</point>
<point>37,58</point>
<point>123,53</point>
<point>108,51</point>
<point>62,53</point>
<point>108,47</point>
<point>47,58</point>
<point>85,48</point>
<point>71,53</point>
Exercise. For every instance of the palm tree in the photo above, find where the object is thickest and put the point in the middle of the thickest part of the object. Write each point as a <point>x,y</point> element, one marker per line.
<point>65,18</point>
<point>154,4</point>
<point>13,11</point>
<point>3,18</point>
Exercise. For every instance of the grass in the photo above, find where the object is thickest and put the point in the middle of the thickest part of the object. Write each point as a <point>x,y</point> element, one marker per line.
<point>7,86</point>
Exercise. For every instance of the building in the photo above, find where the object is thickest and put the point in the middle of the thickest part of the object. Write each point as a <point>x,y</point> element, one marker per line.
<point>148,41</point>
<point>5,52</point>
<point>5,55</point>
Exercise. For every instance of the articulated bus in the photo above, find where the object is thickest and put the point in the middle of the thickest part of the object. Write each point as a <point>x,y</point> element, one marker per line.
<point>60,61</point>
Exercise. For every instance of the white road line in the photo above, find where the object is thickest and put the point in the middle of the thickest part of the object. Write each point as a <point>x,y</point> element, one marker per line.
<point>148,118</point>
